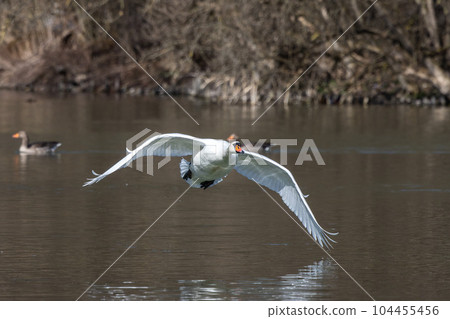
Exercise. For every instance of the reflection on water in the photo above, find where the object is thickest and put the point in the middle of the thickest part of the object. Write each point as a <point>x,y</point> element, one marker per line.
<point>384,188</point>
<point>21,159</point>
<point>309,283</point>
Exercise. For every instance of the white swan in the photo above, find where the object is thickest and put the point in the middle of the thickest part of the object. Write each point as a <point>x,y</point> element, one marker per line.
<point>213,160</point>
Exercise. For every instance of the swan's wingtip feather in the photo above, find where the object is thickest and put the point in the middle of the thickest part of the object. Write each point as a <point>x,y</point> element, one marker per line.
<point>91,181</point>
<point>324,240</point>
<point>330,233</point>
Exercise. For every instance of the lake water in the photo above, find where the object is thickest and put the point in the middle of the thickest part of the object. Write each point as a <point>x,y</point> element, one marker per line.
<point>385,188</point>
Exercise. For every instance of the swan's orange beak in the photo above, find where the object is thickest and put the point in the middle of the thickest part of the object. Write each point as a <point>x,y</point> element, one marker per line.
<point>16,135</point>
<point>238,149</point>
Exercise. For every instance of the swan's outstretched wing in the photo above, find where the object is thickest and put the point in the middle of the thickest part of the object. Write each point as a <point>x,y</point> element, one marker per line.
<point>173,144</point>
<point>269,173</point>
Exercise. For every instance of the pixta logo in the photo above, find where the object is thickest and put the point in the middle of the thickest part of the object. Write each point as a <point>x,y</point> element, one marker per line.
<point>143,159</point>
<point>146,144</point>
<point>282,145</point>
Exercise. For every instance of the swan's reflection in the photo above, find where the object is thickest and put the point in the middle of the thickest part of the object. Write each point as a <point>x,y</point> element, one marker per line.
<point>311,282</point>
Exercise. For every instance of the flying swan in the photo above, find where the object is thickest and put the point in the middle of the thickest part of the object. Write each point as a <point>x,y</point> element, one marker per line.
<point>212,160</point>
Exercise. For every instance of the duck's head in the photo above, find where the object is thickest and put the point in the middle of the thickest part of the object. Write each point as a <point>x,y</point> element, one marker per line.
<point>235,148</point>
<point>20,134</point>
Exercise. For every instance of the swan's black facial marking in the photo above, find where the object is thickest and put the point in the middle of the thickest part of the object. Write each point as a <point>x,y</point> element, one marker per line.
<point>238,148</point>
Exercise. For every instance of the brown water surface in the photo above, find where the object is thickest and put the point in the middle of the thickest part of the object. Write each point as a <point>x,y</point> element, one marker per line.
<point>385,188</point>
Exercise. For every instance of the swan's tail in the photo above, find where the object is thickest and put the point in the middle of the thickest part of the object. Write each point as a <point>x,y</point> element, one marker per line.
<point>184,168</point>
<point>186,174</point>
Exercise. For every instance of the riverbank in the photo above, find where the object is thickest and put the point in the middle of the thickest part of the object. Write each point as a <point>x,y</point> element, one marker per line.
<point>230,52</point>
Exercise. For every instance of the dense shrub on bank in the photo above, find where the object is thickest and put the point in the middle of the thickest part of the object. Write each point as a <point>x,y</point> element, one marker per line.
<point>233,51</point>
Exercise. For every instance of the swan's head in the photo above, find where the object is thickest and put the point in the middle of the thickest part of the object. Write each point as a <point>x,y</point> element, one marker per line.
<point>20,134</point>
<point>235,148</point>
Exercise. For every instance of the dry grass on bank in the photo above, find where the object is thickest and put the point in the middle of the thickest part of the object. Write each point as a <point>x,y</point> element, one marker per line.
<point>234,51</point>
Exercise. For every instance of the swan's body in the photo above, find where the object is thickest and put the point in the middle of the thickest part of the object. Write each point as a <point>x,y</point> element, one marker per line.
<point>208,164</point>
<point>36,148</point>
<point>212,160</point>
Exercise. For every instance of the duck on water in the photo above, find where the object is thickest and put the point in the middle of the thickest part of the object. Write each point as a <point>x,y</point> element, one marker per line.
<point>37,148</point>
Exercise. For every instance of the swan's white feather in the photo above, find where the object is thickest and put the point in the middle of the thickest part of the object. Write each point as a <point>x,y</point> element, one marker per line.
<point>269,173</point>
<point>180,145</point>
